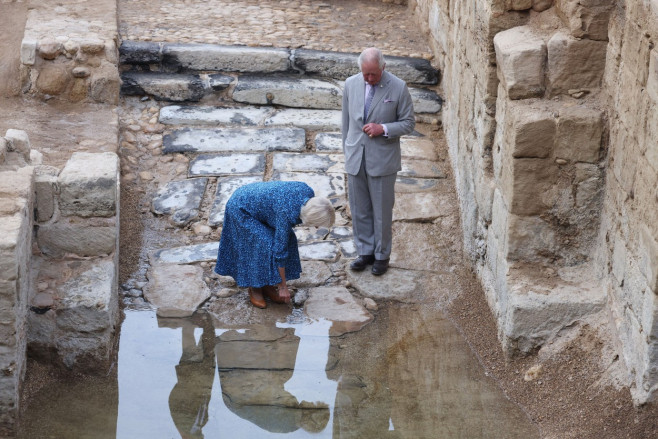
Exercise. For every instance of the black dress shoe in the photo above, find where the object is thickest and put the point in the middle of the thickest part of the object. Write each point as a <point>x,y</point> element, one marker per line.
<point>380,267</point>
<point>360,263</point>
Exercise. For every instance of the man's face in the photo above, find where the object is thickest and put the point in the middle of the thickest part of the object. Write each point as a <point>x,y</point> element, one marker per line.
<point>371,72</point>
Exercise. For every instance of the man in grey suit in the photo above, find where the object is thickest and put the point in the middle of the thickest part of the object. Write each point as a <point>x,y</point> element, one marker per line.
<point>377,110</point>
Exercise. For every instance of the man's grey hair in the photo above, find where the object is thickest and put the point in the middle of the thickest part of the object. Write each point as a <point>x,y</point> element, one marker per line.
<point>372,54</point>
<point>318,212</point>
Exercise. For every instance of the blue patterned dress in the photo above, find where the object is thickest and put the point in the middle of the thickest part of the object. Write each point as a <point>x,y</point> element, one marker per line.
<point>257,235</point>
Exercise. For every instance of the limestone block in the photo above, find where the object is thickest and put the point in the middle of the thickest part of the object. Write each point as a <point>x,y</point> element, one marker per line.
<point>28,52</point>
<point>18,141</point>
<point>140,52</point>
<point>71,235</point>
<point>649,257</point>
<point>49,48</point>
<point>574,64</point>
<point>521,58</point>
<point>530,239</point>
<point>201,57</point>
<point>163,86</point>
<point>88,185</point>
<point>46,188</point>
<point>11,227</point>
<point>289,92</point>
<point>532,131</point>
<point>176,290</point>
<point>17,184</point>
<point>53,79</point>
<point>105,84</point>
<point>529,185</point>
<point>589,184</point>
<point>579,134</point>
<point>586,19</point>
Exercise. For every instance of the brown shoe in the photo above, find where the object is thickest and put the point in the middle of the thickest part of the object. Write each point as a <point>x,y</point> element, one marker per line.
<point>256,297</point>
<point>272,292</point>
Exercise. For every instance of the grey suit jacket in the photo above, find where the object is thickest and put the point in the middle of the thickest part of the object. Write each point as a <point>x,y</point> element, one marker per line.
<point>391,105</point>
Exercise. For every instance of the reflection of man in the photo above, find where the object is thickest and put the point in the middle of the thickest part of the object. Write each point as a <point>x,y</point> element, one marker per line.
<point>377,110</point>
<point>189,399</point>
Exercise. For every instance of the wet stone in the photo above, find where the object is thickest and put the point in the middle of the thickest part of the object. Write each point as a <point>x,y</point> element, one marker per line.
<point>289,162</point>
<point>318,251</point>
<point>325,185</point>
<point>288,92</point>
<point>338,306</point>
<point>176,290</point>
<point>308,119</point>
<point>181,199</point>
<point>397,284</point>
<point>328,142</point>
<point>225,188</point>
<point>186,254</point>
<point>253,353</point>
<point>227,164</point>
<point>199,115</point>
<point>235,139</point>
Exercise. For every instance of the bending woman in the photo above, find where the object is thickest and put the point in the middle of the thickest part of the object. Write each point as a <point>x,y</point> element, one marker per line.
<point>258,246</point>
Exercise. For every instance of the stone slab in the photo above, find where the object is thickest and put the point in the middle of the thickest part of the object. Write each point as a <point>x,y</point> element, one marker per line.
<point>405,286</point>
<point>252,354</point>
<point>176,290</point>
<point>76,237</point>
<point>235,139</point>
<point>314,274</point>
<point>205,115</point>
<point>421,169</point>
<point>324,185</point>
<point>225,188</point>
<point>187,254</point>
<point>328,142</point>
<point>422,206</point>
<point>211,57</point>
<point>322,163</point>
<point>180,199</point>
<point>521,56</point>
<point>347,248</point>
<point>88,185</point>
<point>425,101</point>
<point>409,184</point>
<point>163,86</point>
<point>140,52</point>
<point>227,164</point>
<point>417,147</point>
<point>318,251</point>
<point>343,65</point>
<point>337,305</point>
<point>424,246</point>
<point>307,119</point>
<point>288,92</point>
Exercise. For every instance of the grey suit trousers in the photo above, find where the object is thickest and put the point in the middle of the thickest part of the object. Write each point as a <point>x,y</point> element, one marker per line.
<point>371,203</point>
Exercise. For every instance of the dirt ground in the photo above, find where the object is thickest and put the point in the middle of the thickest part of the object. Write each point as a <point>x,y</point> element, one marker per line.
<point>570,396</point>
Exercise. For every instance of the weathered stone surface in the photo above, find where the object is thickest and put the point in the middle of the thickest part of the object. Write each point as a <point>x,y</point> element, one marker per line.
<point>343,65</point>
<point>289,92</point>
<point>328,142</point>
<point>46,188</point>
<point>652,78</point>
<point>4,147</point>
<point>235,139</point>
<point>140,52</point>
<point>532,131</point>
<point>176,290</point>
<point>163,86</point>
<point>187,254</point>
<point>225,188</point>
<point>314,273</point>
<point>193,115</point>
<point>253,350</point>
<point>409,185</point>
<point>227,164</point>
<point>415,147</point>
<point>181,199</point>
<point>579,134</point>
<point>530,239</point>
<point>521,57</point>
<point>49,48</point>
<point>425,101</point>
<point>325,185</point>
<point>77,237</point>
<point>291,162</point>
<point>337,305</point>
<point>18,141</point>
<point>52,79</point>
<point>422,246</point>
<point>401,285</point>
<point>529,185</point>
<point>88,185</point>
<point>541,5</point>
<point>421,169</point>
<point>218,81</point>
<point>203,57</point>
<point>105,84</point>
<point>586,19</point>
<point>421,206</point>
<point>574,64</point>
<point>649,258</point>
<point>308,119</point>
<point>318,251</point>
<point>28,51</point>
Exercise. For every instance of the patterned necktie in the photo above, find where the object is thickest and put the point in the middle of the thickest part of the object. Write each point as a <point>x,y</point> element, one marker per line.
<point>371,93</point>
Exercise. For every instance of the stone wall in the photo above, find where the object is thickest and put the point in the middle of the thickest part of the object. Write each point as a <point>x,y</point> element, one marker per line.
<point>549,131</point>
<point>66,56</point>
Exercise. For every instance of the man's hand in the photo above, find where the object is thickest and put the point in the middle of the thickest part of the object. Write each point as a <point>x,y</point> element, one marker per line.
<point>373,129</point>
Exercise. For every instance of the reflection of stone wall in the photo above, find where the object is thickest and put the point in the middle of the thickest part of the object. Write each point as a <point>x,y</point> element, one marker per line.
<point>549,111</point>
<point>71,58</point>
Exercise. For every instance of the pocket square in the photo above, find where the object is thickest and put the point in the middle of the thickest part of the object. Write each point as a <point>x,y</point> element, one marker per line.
<point>386,101</point>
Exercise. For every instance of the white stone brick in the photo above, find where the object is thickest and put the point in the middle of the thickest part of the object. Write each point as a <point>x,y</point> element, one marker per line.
<point>521,57</point>
<point>88,185</point>
<point>19,142</point>
<point>28,52</point>
<point>45,186</point>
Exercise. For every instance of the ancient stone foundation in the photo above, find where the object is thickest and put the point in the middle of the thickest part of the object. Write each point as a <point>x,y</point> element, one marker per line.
<point>549,114</point>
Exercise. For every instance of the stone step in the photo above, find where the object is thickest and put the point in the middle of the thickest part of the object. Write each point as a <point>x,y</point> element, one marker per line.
<point>172,86</point>
<point>172,57</point>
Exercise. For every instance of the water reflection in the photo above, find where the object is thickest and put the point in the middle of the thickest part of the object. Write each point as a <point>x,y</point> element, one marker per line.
<point>409,374</point>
